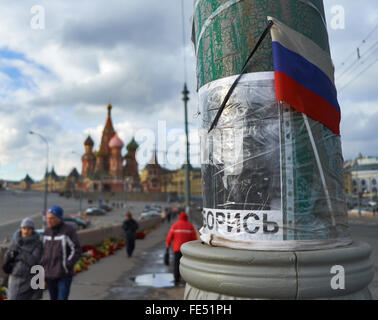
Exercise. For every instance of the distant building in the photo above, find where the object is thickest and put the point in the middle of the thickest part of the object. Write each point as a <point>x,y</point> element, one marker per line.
<point>361,175</point>
<point>131,171</point>
<point>106,169</point>
<point>27,182</point>
<point>55,183</point>
<point>178,182</point>
<point>155,178</point>
<point>71,181</point>
<point>24,184</point>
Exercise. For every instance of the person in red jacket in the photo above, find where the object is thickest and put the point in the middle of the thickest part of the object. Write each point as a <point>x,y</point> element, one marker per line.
<point>181,231</point>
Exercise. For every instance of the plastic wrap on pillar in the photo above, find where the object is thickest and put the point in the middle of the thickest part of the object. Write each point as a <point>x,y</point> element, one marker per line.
<point>241,159</point>
<point>253,197</point>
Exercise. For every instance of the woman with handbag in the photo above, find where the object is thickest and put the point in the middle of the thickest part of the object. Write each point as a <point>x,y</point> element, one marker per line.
<point>24,252</point>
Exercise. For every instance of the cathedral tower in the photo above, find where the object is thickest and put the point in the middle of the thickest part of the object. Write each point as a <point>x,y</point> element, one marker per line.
<point>107,135</point>
<point>88,159</point>
<point>115,160</point>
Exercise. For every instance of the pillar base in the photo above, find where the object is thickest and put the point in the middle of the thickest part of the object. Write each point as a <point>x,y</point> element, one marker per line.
<point>222,273</point>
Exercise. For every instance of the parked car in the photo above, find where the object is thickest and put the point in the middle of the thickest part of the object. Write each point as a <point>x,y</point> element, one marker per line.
<point>95,211</point>
<point>76,222</point>
<point>148,215</point>
<point>68,194</point>
<point>145,216</point>
<point>105,207</point>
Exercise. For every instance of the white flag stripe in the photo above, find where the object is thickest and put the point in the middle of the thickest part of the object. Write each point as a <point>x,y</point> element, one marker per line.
<point>305,47</point>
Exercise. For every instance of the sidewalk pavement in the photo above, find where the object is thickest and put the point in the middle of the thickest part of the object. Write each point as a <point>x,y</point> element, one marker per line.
<point>107,279</point>
<point>353,220</point>
<point>97,282</point>
<point>365,229</point>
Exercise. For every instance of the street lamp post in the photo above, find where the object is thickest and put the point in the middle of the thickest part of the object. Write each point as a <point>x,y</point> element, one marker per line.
<point>126,188</point>
<point>46,176</point>
<point>185,92</point>
<point>101,187</point>
<point>360,196</point>
<point>80,191</point>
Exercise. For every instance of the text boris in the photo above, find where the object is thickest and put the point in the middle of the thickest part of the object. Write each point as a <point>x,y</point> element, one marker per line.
<point>241,221</point>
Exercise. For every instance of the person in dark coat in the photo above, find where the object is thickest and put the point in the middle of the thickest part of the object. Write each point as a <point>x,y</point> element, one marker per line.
<point>169,214</point>
<point>130,226</point>
<point>24,252</point>
<point>61,251</point>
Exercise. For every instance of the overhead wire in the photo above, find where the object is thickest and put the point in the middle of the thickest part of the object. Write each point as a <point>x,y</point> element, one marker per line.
<point>356,63</point>
<point>358,75</point>
<point>356,69</point>
<point>363,42</point>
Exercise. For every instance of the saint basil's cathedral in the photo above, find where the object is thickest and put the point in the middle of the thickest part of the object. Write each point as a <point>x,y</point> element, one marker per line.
<point>106,169</point>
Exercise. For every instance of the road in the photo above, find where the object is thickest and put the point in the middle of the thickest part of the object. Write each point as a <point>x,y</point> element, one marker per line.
<point>18,205</point>
<point>365,231</point>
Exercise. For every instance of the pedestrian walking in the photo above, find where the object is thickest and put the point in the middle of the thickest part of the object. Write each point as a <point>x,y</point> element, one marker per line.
<point>130,226</point>
<point>175,211</point>
<point>169,214</point>
<point>61,251</point>
<point>181,231</point>
<point>163,216</point>
<point>24,252</point>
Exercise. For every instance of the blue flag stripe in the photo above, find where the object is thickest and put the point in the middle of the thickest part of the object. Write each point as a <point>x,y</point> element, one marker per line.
<point>305,73</point>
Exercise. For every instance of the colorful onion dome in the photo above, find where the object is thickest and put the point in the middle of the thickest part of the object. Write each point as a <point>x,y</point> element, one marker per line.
<point>89,142</point>
<point>115,142</point>
<point>133,145</point>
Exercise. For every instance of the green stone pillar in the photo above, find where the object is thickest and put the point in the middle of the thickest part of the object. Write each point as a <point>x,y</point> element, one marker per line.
<point>225,31</point>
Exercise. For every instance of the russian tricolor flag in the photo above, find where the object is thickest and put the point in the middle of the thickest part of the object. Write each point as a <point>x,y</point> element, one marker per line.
<point>304,76</point>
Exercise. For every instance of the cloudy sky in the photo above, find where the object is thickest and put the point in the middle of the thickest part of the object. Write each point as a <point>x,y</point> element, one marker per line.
<point>58,80</point>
